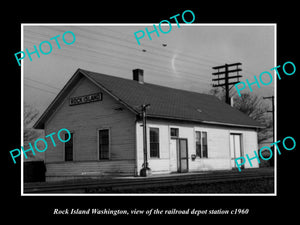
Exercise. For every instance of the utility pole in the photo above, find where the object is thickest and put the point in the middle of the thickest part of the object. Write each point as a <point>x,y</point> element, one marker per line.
<point>145,171</point>
<point>226,77</point>
<point>272,98</point>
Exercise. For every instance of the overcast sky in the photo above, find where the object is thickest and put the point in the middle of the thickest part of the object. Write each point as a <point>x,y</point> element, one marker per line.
<point>185,63</point>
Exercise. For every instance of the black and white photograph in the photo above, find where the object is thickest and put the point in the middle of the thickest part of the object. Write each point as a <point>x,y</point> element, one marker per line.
<point>143,112</point>
<point>160,117</point>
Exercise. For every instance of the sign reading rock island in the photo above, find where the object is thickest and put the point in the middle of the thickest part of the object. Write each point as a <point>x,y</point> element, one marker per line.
<point>86,99</point>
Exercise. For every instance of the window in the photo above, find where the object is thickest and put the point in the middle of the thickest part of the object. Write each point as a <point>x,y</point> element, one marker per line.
<point>104,144</point>
<point>198,143</point>
<point>174,132</point>
<point>204,144</point>
<point>154,142</point>
<point>69,147</point>
<point>201,144</point>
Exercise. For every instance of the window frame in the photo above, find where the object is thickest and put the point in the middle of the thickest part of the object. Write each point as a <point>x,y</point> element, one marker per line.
<point>202,136</point>
<point>98,143</point>
<point>64,147</point>
<point>196,144</point>
<point>177,132</point>
<point>158,144</point>
<point>202,155</point>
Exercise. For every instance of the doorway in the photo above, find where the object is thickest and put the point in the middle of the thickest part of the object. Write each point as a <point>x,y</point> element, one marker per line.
<point>182,156</point>
<point>236,149</point>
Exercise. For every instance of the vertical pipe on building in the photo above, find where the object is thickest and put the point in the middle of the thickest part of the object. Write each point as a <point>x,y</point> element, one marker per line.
<point>145,171</point>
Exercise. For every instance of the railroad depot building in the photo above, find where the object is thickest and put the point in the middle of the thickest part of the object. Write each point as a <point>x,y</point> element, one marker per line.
<point>186,131</point>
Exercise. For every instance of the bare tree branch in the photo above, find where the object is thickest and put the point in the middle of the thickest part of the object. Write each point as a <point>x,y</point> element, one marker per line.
<point>253,106</point>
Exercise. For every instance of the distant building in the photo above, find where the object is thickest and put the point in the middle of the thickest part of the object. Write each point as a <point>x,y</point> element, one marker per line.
<point>186,131</point>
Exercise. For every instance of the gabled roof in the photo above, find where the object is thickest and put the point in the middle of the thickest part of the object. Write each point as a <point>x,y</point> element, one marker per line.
<point>165,102</point>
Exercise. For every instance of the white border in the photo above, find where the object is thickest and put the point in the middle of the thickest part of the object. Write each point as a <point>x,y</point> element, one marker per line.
<point>148,24</point>
<point>22,111</point>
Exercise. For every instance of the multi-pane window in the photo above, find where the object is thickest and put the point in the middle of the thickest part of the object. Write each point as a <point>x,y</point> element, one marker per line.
<point>104,144</point>
<point>154,142</point>
<point>174,132</point>
<point>201,144</point>
<point>198,143</point>
<point>69,147</point>
<point>204,144</point>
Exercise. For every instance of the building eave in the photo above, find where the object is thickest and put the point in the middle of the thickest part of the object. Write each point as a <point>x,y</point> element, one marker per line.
<point>203,121</point>
<point>39,124</point>
<point>135,111</point>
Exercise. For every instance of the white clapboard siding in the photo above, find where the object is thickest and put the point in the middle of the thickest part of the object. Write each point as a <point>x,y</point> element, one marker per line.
<point>90,168</point>
<point>84,121</point>
<point>219,157</point>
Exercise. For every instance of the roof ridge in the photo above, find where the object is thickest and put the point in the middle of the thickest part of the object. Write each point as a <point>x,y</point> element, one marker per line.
<point>146,83</point>
<point>166,102</point>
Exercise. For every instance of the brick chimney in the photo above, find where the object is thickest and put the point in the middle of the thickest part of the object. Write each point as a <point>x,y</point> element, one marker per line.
<point>138,75</point>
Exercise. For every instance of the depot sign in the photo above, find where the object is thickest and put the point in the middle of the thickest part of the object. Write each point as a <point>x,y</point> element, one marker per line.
<point>85,99</point>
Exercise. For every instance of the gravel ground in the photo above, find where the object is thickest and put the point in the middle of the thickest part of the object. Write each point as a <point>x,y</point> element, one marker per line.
<point>246,186</point>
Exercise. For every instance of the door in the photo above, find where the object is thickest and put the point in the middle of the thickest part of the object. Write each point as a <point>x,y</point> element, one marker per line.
<point>182,156</point>
<point>235,149</point>
<point>173,155</point>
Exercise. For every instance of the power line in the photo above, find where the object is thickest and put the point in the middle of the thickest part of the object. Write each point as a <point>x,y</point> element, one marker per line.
<point>83,59</point>
<point>39,82</point>
<point>135,48</point>
<point>193,57</point>
<point>161,51</point>
<point>161,54</point>
<point>151,66</point>
<point>226,77</point>
<point>40,89</point>
<point>137,61</point>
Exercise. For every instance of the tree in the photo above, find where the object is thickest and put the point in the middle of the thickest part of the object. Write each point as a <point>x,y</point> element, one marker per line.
<point>256,108</point>
<point>30,134</point>
<point>253,106</point>
<point>218,92</point>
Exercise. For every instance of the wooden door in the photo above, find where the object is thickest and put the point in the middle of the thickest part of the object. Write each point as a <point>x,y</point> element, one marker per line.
<point>183,166</point>
<point>235,149</point>
<point>173,155</point>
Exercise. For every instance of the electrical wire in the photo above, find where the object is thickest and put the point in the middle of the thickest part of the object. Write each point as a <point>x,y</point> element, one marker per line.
<point>157,68</point>
<point>40,89</point>
<point>39,82</point>
<point>147,65</point>
<point>159,54</point>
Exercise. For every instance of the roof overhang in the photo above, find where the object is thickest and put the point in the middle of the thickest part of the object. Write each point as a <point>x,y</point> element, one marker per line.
<point>203,121</point>
<point>40,123</point>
